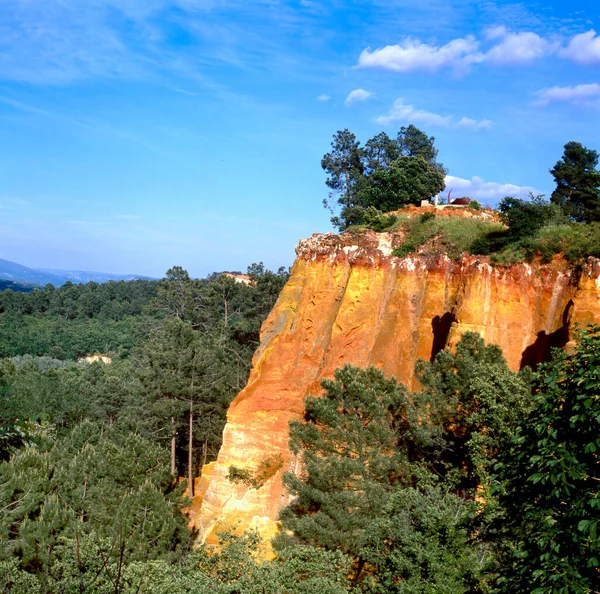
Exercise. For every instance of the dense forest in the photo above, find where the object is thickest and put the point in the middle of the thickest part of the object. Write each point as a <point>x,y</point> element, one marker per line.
<point>485,480</point>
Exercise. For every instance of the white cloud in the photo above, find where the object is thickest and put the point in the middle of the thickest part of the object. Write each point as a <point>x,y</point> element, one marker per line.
<point>495,32</point>
<point>583,48</point>
<point>484,192</point>
<point>323,97</point>
<point>500,47</point>
<point>575,94</point>
<point>402,112</point>
<point>519,48</point>
<point>358,95</point>
<point>411,55</point>
<point>471,124</point>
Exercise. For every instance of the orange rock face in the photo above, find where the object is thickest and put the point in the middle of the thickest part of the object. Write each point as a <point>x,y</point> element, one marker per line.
<point>349,300</point>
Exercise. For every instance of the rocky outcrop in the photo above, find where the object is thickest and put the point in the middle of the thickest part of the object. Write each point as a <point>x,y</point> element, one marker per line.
<point>348,300</point>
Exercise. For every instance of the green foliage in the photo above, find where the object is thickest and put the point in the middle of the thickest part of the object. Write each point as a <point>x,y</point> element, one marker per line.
<point>257,478</point>
<point>344,168</point>
<point>477,402</point>
<point>99,482</point>
<point>352,453</point>
<point>575,241</point>
<point>525,218</point>
<point>550,479</point>
<point>452,236</point>
<point>385,174</point>
<point>75,320</point>
<point>50,335</point>
<point>187,372</point>
<point>370,485</point>
<point>68,394</point>
<point>370,218</point>
<point>236,567</point>
<point>420,544</point>
<point>413,142</point>
<point>407,180</point>
<point>87,498</point>
<point>578,183</point>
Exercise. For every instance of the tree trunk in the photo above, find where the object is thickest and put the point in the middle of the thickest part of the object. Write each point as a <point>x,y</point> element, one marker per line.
<point>204,448</point>
<point>359,567</point>
<point>173,443</point>
<point>190,452</point>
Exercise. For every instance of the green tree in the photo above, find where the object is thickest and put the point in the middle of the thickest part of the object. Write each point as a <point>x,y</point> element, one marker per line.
<point>188,373</point>
<point>525,217</point>
<point>385,174</point>
<point>366,488</point>
<point>577,183</point>
<point>421,542</point>
<point>344,168</point>
<point>407,180</point>
<point>175,294</point>
<point>549,481</point>
<point>353,449</point>
<point>379,153</point>
<point>477,402</point>
<point>413,142</point>
<point>108,485</point>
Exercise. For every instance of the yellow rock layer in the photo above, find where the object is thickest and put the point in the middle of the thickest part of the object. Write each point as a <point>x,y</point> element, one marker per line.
<point>348,300</point>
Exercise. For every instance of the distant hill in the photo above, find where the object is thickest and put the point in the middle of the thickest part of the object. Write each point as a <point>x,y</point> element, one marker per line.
<point>85,276</point>
<point>18,273</point>
<point>16,286</point>
<point>12,272</point>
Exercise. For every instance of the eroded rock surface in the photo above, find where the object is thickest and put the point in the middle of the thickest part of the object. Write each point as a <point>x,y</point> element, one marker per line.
<point>349,300</point>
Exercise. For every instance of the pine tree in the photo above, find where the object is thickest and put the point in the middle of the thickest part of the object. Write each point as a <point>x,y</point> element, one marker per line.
<point>578,183</point>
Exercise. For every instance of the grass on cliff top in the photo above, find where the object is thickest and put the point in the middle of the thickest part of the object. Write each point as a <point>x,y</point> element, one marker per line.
<point>576,241</point>
<point>431,234</point>
<point>454,236</point>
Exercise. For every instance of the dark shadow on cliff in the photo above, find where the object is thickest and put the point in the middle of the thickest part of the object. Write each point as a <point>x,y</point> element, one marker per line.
<point>441,326</point>
<point>540,351</point>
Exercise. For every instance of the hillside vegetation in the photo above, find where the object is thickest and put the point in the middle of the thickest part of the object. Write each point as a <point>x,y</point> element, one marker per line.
<point>482,481</point>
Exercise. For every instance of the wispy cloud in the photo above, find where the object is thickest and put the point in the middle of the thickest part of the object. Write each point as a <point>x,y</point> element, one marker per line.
<point>86,123</point>
<point>471,124</point>
<point>358,95</point>
<point>402,112</point>
<point>585,94</point>
<point>62,42</point>
<point>323,97</point>
<point>485,192</point>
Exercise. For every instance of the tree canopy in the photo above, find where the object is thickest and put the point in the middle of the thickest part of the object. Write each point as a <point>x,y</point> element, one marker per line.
<point>549,480</point>
<point>577,183</point>
<point>385,174</point>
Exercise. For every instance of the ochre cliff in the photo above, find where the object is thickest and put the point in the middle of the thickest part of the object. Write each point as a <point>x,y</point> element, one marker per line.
<point>348,300</point>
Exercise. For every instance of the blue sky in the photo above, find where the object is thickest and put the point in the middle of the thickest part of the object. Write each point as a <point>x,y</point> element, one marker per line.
<point>139,134</point>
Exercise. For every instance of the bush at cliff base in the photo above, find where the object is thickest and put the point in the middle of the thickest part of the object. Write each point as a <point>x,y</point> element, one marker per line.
<point>237,568</point>
<point>552,480</point>
<point>388,482</point>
